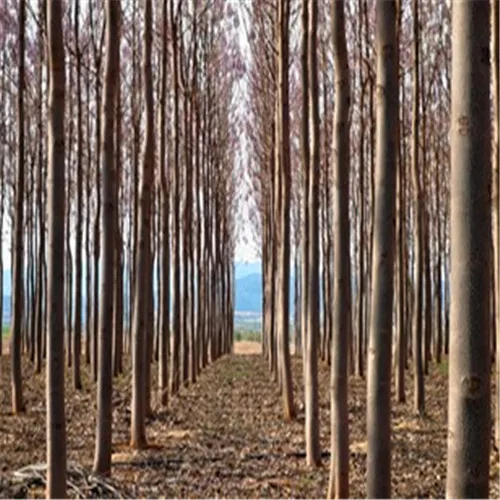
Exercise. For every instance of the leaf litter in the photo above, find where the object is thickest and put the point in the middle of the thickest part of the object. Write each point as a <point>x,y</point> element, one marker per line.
<point>223,437</point>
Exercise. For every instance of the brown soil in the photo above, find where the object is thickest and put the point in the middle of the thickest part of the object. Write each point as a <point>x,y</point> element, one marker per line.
<point>225,437</point>
<point>246,348</point>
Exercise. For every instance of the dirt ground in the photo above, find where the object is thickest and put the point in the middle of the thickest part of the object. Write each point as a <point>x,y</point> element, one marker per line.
<point>225,437</point>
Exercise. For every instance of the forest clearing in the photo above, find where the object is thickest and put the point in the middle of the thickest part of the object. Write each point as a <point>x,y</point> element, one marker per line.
<point>225,437</point>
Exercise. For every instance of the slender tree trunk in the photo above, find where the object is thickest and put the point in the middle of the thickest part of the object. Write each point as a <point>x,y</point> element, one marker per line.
<point>77,336</point>
<point>102,457</point>
<point>313,448</point>
<point>297,297</point>
<point>284,209</point>
<point>56,420</point>
<point>362,201</point>
<point>143,267</point>
<point>339,465</point>
<point>118,293</point>
<point>401,304</point>
<point>18,247</point>
<point>176,306</point>
<point>418,375</point>
<point>88,266</point>
<point>164,334</point>
<point>469,409</point>
<point>380,339</point>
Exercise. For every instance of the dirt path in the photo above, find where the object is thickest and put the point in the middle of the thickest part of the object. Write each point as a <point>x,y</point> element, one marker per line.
<point>224,437</point>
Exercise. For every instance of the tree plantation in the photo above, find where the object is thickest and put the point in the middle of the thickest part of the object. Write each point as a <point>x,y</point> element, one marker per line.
<point>352,145</point>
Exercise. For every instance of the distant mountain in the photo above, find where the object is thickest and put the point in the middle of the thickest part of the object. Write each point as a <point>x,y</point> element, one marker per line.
<point>248,291</point>
<point>243,269</point>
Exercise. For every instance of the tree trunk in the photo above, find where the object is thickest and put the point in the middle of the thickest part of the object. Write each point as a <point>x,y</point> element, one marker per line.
<point>56,420</point>
<point>102,458</point>
<point>143,268</point>
<point>118,293</point>
<point>469,409</point>
<point>283,156</point>
<point>362,201</point>
<point>77,335</point>
<point>339,465</point>
<point>176,306</point>
<point>18,248</point>
<point>418,375</point>
<point>380,338</point>
<point>164,333</point>
<point>313,448</point>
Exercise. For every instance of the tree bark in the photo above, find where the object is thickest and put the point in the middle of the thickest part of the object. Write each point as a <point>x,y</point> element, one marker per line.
<point>283,148</point>
<point>77,336</point>
<point>102,458</point>
<point>313,448</point>
<point>418,375</point>
<point>143,265</point>
<point>380,338</point>
<point>469,409</point>
<point>56,420</point>
<point>18,258</point>
<point>339,464</point>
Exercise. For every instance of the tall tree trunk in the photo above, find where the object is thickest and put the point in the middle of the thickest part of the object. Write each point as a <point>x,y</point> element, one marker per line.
<point>297,298</point>
<point>469,409</point>
<point>88,266</point>
<point>176,306</point>
<point>380,338</point>
<point>119,288</point>
<point>102,458</point>
<point>283,145</point>
<point>339,465</point>
<point>77,335</point>
<point>313,448</point>
<point>362,201</point>
<point>143,265</point>
<point>56,420</point>
<point>401,238</point>
<point>418,375</point>
<point>164,333</point>
<point>18,248</point>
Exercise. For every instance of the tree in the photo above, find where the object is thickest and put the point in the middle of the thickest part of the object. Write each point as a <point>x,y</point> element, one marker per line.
<point>284,181</point>
<point>102,460</point>
<point>18,280</point>
<point>311,274</point>
<point>339,465</point>
<point>176,306</point>
<point>380,338</point>
<point>56,420</point>
<point>77,334</point>
<point>470,310</point>
<point>164,333</point>
<point>143,269</point>
<point>418,222</point>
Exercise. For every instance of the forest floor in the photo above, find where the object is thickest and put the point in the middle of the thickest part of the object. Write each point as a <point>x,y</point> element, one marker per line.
<point>225,437</point>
